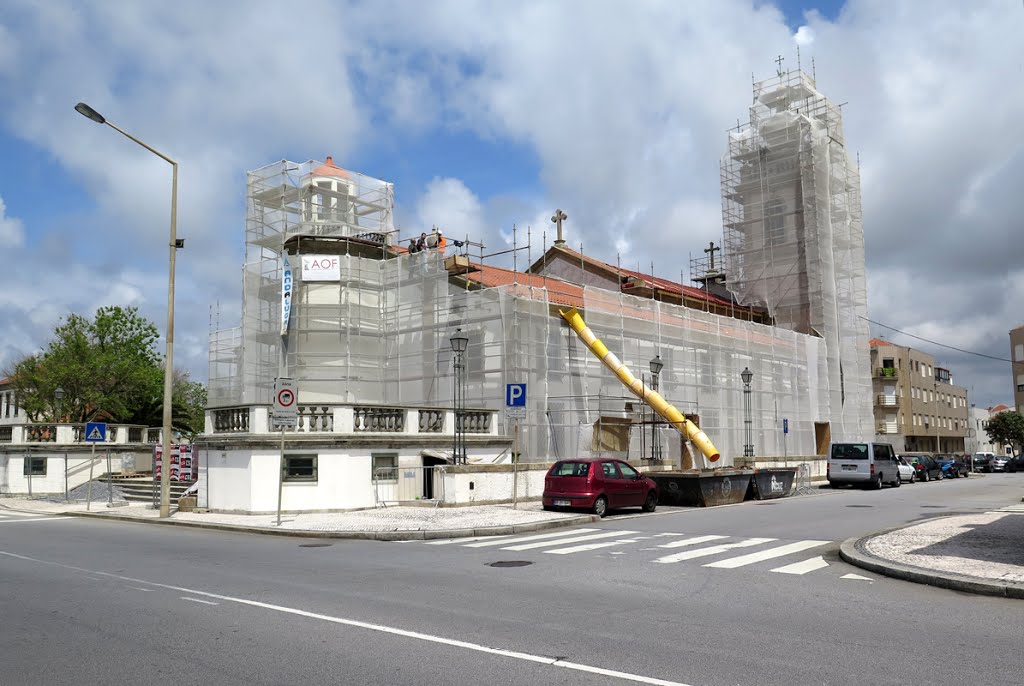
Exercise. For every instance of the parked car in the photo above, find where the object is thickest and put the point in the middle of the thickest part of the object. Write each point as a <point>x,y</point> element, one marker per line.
<point>871,464</point>
<point>907,471</point>
<point>953,466</point>
<point>1015,464</point>
<point>997,463</point>
<point>981,461</point>
<point>926,466</point>
<point>599,485</point>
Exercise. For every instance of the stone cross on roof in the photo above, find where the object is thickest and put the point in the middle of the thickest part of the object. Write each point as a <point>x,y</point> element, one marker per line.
<point>559,217</point>
<point>712,250</point>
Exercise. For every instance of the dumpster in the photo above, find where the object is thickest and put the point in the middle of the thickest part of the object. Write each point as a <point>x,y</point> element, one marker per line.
<point>702,488</point>
<point>774,482</point>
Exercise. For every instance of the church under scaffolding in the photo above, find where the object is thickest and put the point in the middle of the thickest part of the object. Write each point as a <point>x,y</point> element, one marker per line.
<point>370,322</point>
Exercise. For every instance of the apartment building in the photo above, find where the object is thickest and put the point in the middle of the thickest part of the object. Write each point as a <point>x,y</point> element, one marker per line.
<point>1017,355</point>
<point>916,404</point>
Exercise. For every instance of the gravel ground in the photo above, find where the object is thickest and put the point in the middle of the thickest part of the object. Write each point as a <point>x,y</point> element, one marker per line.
<point>81,494</point>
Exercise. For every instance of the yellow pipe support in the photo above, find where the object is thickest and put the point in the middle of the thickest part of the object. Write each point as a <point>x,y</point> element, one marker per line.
<point>651,397</point>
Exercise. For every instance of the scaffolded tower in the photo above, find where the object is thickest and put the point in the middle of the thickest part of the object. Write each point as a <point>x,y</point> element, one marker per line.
<point>794,233</point>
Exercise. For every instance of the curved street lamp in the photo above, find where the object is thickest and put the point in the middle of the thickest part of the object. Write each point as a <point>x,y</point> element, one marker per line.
<point>165,483</point>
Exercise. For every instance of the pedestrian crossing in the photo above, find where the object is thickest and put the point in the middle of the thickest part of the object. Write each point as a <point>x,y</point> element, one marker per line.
<point>14,517</point>
<point>713,551</point>
<point>1013,509</point>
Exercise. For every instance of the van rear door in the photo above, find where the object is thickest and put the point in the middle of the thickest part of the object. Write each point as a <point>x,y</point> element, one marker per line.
<point>849,462</point>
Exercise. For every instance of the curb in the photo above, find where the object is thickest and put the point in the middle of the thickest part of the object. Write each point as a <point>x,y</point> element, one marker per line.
<point>410,535</point>
<point>851,550</point>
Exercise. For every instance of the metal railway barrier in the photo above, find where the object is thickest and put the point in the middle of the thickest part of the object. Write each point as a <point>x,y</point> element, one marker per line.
<point>401,485</point>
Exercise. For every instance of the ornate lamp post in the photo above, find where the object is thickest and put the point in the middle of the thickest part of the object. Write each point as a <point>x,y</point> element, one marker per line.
<point>460,342</point>
<point>748,446</point>
<point>656,367</point>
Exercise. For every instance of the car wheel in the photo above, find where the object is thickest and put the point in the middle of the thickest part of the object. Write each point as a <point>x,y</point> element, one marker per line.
<point>913,477</point>
<point>651,503</point>
<point>927,477</point>
<point>549,508</point>
<point>601,506</point>
<point>877,485</point>
<point>899,480</point>
<point>966,474</point>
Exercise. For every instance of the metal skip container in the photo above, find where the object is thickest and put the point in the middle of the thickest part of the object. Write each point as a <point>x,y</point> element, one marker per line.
<point>776,482</point>
<point>697,488</point>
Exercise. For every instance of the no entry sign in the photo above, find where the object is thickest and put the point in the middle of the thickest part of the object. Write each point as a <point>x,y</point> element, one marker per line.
<point>286,409</point>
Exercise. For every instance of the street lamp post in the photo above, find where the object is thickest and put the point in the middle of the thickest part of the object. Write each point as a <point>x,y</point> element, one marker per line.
<point>748,447</point>
<point>174,244</point>
<point>656,367</point>
<point>460,342</point>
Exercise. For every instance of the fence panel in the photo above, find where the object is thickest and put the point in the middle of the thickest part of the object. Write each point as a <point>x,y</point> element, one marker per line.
<point>400,485</point>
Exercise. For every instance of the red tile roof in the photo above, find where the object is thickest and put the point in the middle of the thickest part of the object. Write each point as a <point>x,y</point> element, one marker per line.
<point>329,168</point>
<point>875,342</point>
<point>558,292</point>
<point>999,408</point>
<point>646,280</point>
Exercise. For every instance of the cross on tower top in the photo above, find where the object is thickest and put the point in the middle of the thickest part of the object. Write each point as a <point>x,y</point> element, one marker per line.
<point>779,61</point>
<point>711,249</point>
<point>559,217</point>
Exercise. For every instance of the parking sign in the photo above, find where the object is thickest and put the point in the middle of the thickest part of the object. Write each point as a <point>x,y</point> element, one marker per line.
<point>515,395</point>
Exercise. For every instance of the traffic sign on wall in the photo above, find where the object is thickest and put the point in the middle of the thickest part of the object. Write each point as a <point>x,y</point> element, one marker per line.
<point>286,406</point>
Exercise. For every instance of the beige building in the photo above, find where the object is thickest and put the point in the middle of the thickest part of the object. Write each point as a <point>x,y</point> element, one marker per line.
<point>916,405</point>
<point>1017,355</point>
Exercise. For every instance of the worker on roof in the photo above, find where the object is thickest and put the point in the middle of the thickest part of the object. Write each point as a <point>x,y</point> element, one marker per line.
<point>441,242</point>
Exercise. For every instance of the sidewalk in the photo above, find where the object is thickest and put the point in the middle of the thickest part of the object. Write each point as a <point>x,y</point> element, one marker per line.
<point>390,524</point>
<point>977,553</point>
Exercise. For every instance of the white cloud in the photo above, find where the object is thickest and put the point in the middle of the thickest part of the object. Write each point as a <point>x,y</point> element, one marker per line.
<point>12,235</point>
<point>453,208</point>
<point>804,37</point>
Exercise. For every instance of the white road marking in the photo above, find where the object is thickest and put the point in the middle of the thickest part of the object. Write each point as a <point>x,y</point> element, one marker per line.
<point>198,600</point>
<point>468,539</point>
<point>589,546</point>
<point>857,577</point>
<point>691,541</point>
<point>574,539</point>
<point>713,550</point>
<point>521,539</point>
<point>770,554</point>
<point>15,513</point>
<point>516,655</point>
<point>803,567</point>
<point>666,535</point>
<point>144,590</point>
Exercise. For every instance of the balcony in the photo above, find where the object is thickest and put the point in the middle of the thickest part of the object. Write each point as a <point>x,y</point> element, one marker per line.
<point>887,401</point>
<point>886,373</point>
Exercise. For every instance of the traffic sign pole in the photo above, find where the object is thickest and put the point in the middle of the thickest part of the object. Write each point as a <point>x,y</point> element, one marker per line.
<point>92,461</point>
<point>280,477</point>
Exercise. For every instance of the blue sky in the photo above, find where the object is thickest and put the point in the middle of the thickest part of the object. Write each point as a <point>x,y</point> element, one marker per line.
<point>486,115</point>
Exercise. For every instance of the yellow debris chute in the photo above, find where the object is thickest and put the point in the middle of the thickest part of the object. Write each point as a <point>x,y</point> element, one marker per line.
<point>652,398</point>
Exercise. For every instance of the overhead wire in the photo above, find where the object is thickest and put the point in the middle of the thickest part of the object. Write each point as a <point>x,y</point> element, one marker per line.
<point>941,345</point>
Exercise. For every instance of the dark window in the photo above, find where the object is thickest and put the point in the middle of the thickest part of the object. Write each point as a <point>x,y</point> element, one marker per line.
<point>34,466</point>
<point>627,471</point>
<point>1020,388</point>
<point>570,469</point>
<point>299,468</point>
<point>610,472</point>
<point>850,451</point>
<point>385,467</point>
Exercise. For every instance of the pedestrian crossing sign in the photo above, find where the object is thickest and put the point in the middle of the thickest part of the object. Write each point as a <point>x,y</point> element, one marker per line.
<point>95,432</point>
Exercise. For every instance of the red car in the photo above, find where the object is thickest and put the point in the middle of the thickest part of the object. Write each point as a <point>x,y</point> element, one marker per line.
<point>598,484</point>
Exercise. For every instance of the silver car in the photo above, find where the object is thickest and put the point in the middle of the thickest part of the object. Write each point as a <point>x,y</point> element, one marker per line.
<point>998,463</point>
<point>907,471</point>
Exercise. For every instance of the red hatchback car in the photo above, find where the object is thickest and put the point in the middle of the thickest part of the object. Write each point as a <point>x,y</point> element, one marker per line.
<point>598,484</point>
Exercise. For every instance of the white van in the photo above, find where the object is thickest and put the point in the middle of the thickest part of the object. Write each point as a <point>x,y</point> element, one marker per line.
<point>871,464</point>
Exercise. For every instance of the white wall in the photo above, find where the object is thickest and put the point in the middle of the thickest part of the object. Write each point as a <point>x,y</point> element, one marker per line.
<point>492,486</point>
<point>13,480</point>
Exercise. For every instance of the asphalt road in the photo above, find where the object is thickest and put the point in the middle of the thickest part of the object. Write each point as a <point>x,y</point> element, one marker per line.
<point>99,602</point>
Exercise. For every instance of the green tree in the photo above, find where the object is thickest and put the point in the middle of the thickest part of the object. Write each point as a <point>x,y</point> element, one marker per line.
<point>1007,427</point>
<point>110,370</point>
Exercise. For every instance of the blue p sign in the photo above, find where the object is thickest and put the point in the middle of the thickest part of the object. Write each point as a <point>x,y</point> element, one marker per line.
<point>515,395</point>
